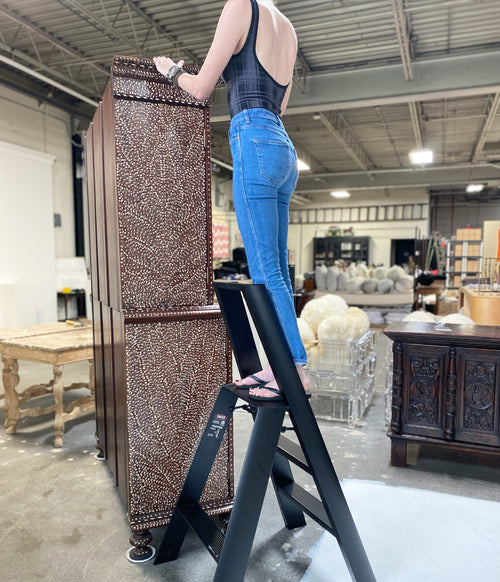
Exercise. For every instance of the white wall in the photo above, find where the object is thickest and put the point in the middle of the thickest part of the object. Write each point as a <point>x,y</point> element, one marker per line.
<point>37,181</point>
<point>300,236</point>
<point>43,128</point>
<point>27,257</point>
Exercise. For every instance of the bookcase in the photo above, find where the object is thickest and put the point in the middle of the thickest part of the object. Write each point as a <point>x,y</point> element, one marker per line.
<point>464,256</point>
<point>351,249</point>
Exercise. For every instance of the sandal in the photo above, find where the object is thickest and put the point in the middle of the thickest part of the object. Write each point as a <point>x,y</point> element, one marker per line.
<point>259,383</point>
<point>277,398</point>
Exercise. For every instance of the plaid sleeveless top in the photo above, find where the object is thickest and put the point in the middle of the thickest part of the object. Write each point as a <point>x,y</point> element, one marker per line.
<point>249,85</point>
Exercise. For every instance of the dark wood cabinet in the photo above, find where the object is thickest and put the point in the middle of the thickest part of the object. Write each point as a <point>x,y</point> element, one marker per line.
<point>161,351</point>
<point>446,387</point>
<point>351,249</point>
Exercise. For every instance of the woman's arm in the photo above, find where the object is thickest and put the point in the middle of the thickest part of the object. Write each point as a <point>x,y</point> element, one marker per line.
<point>232,27</point>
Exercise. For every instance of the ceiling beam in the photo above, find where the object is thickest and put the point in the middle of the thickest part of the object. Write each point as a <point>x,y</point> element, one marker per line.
<point>39,76</point>
<point>336,124</point>
<point>100,24</point>
<point>487,123</point>
<point>162,31</point>
<point>400,178</point>
<point>35,67</point>
<point>440,78</point>
<point>402,32</point>
<point>81,58</point>
<point>415,123</point>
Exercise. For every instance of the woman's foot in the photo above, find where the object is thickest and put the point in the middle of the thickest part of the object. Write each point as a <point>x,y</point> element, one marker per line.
<point>265,393</point>
<point>256,380</point>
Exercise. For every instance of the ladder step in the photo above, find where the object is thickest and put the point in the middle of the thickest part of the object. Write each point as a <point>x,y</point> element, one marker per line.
<point>293,452</point>
<point>309,504</point>
<point>204,526</point>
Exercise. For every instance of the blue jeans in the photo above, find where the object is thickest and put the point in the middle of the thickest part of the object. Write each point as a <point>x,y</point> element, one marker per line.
<point>264,176</point>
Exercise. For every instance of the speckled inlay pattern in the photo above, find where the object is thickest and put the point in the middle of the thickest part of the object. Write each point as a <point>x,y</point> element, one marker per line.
<point>153,237</point>
<point>162,207</point>
<point>170,393</point>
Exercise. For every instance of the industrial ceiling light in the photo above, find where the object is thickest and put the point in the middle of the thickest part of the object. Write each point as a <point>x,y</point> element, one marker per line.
<point>302,165</point>
<point>421,156</point>
<point>475,188</point>
<point>340,194</point>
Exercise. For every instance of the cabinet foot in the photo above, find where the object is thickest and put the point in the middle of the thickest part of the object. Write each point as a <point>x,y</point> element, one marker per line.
<point>398,453</point>
<point>141,550</point>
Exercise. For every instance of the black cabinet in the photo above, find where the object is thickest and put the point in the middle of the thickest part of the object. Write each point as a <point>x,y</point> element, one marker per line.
<point>352,249</point>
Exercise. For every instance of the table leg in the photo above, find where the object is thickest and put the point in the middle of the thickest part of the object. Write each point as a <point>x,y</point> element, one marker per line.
<point>10,379</point>
<point>91,377</point>
<point>58,390</point>
<point>398,453</point>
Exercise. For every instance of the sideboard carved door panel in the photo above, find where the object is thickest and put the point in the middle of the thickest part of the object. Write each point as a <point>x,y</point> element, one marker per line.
<point>424,405</point>
<point>478,397</point>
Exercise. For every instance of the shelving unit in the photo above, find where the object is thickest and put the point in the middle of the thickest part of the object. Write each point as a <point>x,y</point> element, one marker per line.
<point>351,249</point>
<point>464,258</point>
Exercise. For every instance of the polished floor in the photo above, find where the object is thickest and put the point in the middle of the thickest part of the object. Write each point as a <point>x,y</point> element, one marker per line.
<point>61,518</point>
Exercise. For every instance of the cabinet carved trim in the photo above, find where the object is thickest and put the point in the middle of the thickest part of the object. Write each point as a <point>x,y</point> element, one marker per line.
<point>397,388</point>
<point>451,395</point>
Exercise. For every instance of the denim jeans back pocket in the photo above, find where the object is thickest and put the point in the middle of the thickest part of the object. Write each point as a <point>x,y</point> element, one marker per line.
<point>274,159</point>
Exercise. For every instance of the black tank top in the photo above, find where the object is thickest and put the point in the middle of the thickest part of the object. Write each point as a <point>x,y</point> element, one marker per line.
<point>248,84</point>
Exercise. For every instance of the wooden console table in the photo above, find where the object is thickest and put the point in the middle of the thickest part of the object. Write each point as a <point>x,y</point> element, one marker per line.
<point>483,307</point>
<point>53,343</point>
<point>446,387</point>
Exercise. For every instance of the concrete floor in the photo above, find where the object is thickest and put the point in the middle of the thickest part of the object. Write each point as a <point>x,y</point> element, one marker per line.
<point>61,518</point>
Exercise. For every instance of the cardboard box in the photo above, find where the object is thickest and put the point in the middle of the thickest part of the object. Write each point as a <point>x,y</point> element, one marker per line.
<point>473,250</point>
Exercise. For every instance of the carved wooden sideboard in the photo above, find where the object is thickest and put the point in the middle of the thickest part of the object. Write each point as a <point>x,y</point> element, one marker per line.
<point>161,351</point>
<point>446,387</point>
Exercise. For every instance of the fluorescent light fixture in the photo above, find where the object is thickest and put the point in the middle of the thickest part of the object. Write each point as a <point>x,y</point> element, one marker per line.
<point>475,188</point>
<point>421,156</point>
<point>302,165</point>
<point>340,194</point>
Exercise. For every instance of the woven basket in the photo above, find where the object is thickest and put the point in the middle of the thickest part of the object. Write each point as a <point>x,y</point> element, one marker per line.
<point>447,307</point>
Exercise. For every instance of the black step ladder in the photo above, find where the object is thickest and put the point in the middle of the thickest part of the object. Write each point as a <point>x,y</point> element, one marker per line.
<point>269,453</point>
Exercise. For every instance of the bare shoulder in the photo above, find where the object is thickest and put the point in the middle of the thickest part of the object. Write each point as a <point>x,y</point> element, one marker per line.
<point>237,5</point>
<point>288,24</point>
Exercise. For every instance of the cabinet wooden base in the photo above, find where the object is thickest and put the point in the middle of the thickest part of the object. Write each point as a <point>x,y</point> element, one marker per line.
<point>399,447</point>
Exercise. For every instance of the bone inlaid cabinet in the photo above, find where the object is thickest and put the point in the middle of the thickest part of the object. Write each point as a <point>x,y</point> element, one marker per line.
<point>161,351</point>
<point>446,387</point>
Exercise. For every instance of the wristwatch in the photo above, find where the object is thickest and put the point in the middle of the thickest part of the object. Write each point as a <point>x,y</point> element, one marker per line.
<point>173,75</point>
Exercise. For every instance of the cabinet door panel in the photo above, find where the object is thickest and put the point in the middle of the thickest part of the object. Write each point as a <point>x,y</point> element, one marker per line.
<point>174,371</point>
<point>423,390</point>
<point>163,198</point>
<point>477,418</point>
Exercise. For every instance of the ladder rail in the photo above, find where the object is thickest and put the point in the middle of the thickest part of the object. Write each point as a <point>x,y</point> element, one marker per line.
<point>268,453</point>
<point>307,430</point>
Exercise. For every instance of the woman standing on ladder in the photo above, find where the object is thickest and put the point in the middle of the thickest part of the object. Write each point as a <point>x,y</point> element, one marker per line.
<point>254,49</point>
